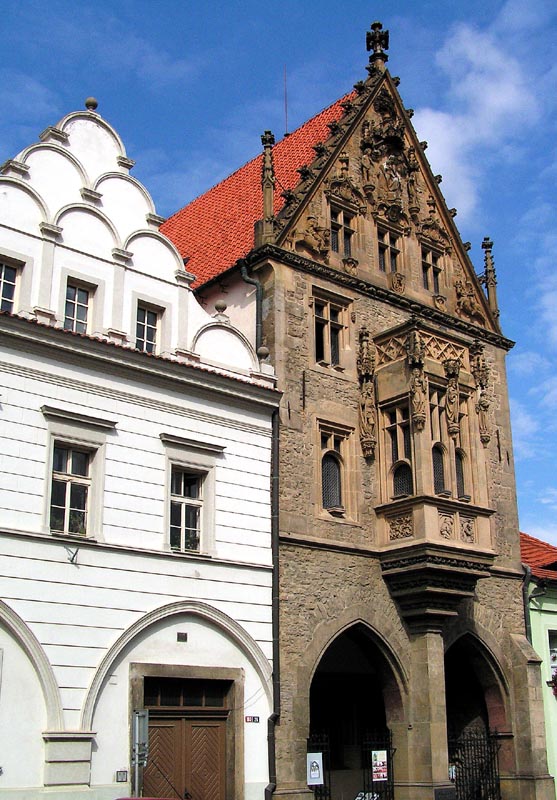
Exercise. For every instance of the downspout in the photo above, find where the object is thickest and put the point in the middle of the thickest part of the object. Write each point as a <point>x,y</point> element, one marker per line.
<point>525,604</point>
<point>258,301</point>
<point>274,718</point>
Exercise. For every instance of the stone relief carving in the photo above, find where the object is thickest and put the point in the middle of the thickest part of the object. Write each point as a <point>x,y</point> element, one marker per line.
<point>452,400</point>
<point>350,265</point>
<point>418,385</point>
<point>397,282</point>
<point>480,371</point>
<point>467,529</point>
<point>446,526</point>
<point>466,301</point>
<point>315,237</point>
<point>400,527</point>
<point>365,364</point>
<point>342,188</point>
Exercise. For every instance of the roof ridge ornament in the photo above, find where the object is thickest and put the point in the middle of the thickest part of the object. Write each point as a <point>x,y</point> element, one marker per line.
<point>377,40</point>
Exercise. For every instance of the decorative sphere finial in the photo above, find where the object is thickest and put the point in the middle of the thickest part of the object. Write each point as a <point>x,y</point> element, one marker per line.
<point>91,104</point>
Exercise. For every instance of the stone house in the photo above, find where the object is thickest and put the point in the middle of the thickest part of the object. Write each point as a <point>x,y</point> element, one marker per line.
<point>135,524</point>
<point>401,625</point>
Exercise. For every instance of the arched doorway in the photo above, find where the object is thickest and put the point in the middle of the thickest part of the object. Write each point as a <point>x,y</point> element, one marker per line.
<point>475,712</point>
<point>349,716</point>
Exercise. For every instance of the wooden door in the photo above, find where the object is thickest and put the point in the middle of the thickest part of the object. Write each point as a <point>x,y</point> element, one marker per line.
<point>186,756</point>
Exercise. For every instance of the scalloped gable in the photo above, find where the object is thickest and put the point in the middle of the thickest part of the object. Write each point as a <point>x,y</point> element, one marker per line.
<point>216,228</point>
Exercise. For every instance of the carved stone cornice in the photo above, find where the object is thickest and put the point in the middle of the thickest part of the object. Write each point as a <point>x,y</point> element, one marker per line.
<point>365,287</point>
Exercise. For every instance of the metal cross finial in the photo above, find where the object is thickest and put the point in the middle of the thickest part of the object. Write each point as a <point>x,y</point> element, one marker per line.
<point>377,40</point>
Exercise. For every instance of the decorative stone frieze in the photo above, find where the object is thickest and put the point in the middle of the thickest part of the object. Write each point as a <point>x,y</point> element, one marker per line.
<point>467,529</point>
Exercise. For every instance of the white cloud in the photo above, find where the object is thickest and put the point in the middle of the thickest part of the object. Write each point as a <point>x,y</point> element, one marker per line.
<point>488,101</point>
<point>527,362</point>
<point>525,428</point>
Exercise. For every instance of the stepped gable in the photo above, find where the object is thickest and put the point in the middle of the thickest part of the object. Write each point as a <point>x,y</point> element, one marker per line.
<point>216,228</point>
<point>540,556</point>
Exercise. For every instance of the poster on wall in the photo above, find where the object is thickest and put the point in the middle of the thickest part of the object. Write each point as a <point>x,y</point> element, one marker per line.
<point>315,769</point>
<point>379,770</point>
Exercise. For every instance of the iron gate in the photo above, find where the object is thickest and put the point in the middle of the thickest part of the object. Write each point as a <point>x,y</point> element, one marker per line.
<point>377,762</point>
<point>319,743</point>
<point>474,767</point>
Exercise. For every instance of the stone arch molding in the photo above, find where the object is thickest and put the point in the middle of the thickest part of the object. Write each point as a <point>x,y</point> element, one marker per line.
<point>332,630</point>
<point>34,651</point>
<point>247,644</point>
<point>487,645</point>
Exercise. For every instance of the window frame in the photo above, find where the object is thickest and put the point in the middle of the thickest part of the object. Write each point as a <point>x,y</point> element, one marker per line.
<point>198,458</point>
<point>398,446</point>
<point>77,286</point>
<point>430,260</point>
<point>451,447</point>
<point>6,265</point>
<point>389,250</point>
<point>184,502</point>
<point>79,432</point>
<point>332,329</point>
<point>335,441</point>
<point>96,289</point>
<point>343,230</point>
<point>70,479</point>
<point>164,311</point>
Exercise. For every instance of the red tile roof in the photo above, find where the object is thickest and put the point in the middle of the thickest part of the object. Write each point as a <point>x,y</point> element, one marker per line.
<point>539,556</point>
<point>216,228</point>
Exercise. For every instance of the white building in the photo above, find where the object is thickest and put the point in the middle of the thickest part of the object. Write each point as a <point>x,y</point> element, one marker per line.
<point>135,503</point>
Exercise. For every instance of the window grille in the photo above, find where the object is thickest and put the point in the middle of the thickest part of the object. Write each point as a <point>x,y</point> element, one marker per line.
<point>459,467</point>
<point>331,481</point>
<point>402,480</point>
<point>438,470</point>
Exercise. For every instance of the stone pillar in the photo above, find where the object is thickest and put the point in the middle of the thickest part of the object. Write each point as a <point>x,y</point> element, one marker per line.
<point>427,764</point>
<point>531,780</point>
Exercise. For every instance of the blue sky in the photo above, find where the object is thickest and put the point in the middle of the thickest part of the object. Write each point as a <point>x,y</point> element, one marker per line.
<point>191,86</point>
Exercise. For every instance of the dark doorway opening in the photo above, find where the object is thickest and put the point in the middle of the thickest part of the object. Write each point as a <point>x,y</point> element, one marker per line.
<point>347,711</point>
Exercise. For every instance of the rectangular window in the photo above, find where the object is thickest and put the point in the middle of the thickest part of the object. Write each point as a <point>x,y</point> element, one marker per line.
<point>76,309</point>
<point>146,329</point>
<point>389,251</point>
<point>341,232</point>
<point>328,331</point>
<point>431,271</point>
<point>186,501</point>
<point>69,495</point>
<point>8,277</point>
